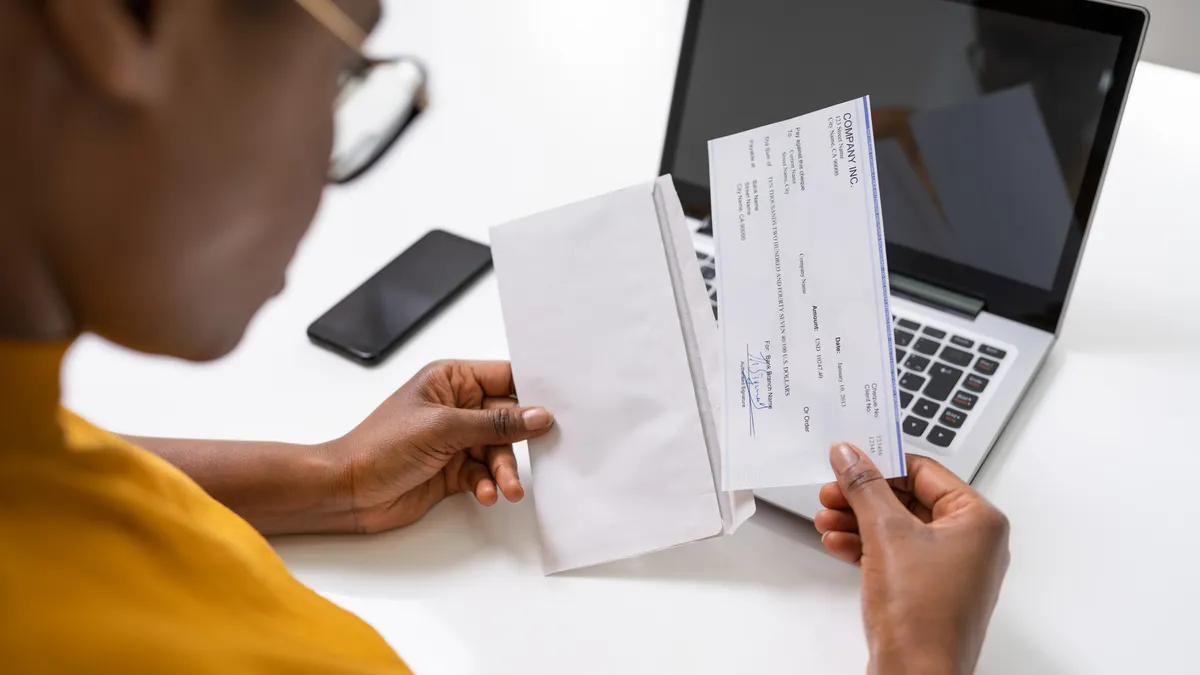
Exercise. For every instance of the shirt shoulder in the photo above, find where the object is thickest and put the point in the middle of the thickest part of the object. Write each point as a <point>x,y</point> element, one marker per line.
<point>118,562</point>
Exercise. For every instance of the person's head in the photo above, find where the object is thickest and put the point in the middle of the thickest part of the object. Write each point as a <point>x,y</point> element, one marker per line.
<point>160,160</point>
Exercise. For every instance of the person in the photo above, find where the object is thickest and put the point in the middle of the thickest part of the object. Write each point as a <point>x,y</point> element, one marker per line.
<point>162,160</point>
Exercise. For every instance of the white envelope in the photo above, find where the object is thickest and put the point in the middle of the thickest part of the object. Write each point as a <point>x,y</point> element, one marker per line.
<point>609,326</point>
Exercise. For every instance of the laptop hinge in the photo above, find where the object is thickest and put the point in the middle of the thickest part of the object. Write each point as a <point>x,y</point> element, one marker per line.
<point>935,296</point>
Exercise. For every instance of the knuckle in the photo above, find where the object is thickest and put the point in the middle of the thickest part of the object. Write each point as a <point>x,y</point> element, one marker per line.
<point>504,423</point>
<point>995,523</point>
<point>426,377</point>
<point>858,480</point>
<point>370,526</point>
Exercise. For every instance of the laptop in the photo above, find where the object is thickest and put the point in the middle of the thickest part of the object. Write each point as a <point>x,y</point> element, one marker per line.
<point>994,122</point>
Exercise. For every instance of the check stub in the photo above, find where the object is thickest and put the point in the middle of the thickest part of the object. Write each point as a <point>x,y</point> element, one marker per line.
<point>803,284</point>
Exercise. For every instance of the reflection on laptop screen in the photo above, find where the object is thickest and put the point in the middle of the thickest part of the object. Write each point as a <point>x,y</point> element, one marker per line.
<point>984,121</point>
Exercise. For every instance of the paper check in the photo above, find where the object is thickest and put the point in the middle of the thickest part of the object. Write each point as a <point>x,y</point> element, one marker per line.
<point>805,318</point>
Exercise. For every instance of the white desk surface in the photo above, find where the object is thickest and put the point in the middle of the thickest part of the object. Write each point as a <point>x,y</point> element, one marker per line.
<point>537,103</point>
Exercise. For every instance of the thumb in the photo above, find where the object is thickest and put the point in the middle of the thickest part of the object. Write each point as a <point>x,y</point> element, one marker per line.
<point>496,426</point>
<point>869,495</point>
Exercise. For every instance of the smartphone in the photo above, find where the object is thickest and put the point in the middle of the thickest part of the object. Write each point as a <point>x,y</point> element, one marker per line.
<point>377,317</point>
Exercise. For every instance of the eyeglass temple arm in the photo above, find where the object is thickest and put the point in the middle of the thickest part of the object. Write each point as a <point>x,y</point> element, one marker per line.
<point>337,21</point>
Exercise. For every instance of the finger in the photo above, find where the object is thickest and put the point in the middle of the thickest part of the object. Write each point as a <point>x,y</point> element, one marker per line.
<point>868,494</point>
<point>473,477</point>
<point>480,453</point>
<point>922,512</point>
<point>932,484</point>
<point>486,493</point>
<point>830,520</point>
<point>493,402</point>
<point>832,498</point>
<point>493,377</point>
<point>501,460</point>
<point>914,505</point>
<point>495,426</point>
<point>452,471</point>
<point>503,465</point>
<point>844,546</point>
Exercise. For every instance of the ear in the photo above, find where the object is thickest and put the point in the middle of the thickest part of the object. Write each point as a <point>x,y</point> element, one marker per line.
<point>112,44</point>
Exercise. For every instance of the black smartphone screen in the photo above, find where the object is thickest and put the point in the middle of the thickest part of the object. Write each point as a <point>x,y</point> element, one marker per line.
<point>376,318</point>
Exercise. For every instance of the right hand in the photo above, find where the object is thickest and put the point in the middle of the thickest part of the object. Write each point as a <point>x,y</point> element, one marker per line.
<point>933,553</point>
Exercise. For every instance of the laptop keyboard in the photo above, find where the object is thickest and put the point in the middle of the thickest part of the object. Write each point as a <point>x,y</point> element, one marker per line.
<point>944,374</point>
<point>708,269</point>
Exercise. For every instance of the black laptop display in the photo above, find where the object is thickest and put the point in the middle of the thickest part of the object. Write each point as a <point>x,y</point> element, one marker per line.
<point>993,122</point>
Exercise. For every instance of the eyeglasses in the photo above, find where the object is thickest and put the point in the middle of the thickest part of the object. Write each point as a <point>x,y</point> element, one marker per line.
<point>378,98</point>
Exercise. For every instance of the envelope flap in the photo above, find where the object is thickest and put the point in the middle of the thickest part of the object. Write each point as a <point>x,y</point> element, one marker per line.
<point>594,335</point>
<point>703,343</point>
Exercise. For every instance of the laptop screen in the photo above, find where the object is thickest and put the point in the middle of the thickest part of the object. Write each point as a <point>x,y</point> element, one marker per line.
<point>992,121</point>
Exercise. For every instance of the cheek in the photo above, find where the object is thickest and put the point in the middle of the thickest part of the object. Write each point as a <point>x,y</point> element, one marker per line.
<point>298,164</point>
<point>252,201</point>
<point>290,167</point>
<point>287,139</point>
<point>251,152</point>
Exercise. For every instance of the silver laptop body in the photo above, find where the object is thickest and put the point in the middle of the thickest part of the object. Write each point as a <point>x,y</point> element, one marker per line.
<point>963,367</point>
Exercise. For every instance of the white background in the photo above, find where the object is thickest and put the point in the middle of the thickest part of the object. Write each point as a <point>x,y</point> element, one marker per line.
<point>1174,26</point>
<point>541,102</point>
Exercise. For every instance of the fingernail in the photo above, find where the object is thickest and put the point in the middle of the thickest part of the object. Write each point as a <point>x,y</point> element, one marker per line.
<point>842,457</point>
<point>537,419</point>
<point>826,534</point>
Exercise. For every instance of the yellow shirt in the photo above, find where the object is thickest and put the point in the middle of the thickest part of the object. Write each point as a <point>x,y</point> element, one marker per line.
<point>113,561</point>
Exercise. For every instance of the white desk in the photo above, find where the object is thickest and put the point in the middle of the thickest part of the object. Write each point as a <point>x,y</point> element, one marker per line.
<point>540,102</point>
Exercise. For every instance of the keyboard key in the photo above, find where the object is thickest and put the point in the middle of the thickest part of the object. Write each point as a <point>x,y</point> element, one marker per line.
<point>952,418</point>
<point>903,338</point>
<point>912,382</point>
<point>914,426</point>
<point>703,257</point>
<point>926,346</point>
<point>900,354</point>
<point>956,356</point>
<point>708,272</point>
<point>905,399</point>
<point>934,333</point>
<point>910,325</point>
<point>713,295</point>
<point>926,408</point>
<point>985,366</point>
<point>962,342</point>
<point>964,400</point>
<point>988,350</point>
<point>941,437</point>
<point>975,383</point>
<point>917,363</point>
<point>942,380</point>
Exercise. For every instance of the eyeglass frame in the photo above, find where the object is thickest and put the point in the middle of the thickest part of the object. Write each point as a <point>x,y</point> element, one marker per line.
<point>334,19</point>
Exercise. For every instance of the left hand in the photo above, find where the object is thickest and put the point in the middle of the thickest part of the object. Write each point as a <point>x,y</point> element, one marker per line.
<point>450,429</point>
